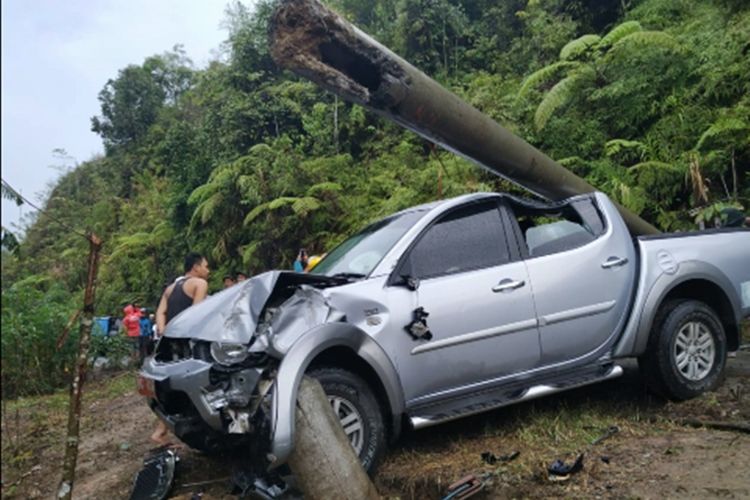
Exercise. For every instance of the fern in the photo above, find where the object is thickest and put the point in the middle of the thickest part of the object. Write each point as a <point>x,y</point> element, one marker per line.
<point>303,206</point>
<point>324,187</point>
<point>576,48</point>
<point>649,39</point>
<point>720,127</point>
<point>255,213</point>
<point>619,32</point>
<point>543,75</point>
<point>281,202</point>
<point>206,209</point>
<point>655,164</point>
<point>131,243</point>
<point>615,146</point>
<point>559,95</point>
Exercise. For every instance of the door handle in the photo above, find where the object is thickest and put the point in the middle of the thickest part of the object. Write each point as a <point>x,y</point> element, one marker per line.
<point>614,262</point>
<point>508,284</point>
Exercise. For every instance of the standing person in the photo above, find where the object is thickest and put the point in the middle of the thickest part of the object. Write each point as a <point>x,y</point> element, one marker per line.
<point>300,262</point>
<point>228,281</point>
<point>132,324</point>
<point>240,276</point>
<point>183,293</point>
<point>144,341</point>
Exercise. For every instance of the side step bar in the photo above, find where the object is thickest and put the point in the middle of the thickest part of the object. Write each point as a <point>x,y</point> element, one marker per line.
<point>536,391</point>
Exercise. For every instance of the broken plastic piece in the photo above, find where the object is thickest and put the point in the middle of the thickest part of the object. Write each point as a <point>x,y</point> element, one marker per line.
<point>492,459</point>
<point>464,488</point>
<point>154,480</point>
<point>248,484</point>
<point>560,471</point>
<point>418,328</point>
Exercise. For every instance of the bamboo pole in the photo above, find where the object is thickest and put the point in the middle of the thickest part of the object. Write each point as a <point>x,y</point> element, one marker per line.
<point>65,490</point>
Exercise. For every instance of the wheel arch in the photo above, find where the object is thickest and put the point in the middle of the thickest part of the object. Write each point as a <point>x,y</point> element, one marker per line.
<point>345,357</point>
<point>323,343</point>
<point>703,287</point>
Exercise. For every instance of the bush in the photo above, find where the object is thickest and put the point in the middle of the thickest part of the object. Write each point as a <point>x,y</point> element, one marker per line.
<point>32,320</point>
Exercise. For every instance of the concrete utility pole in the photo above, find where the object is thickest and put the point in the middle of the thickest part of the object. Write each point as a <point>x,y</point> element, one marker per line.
<point>315,42</point>
<point>323,460</point>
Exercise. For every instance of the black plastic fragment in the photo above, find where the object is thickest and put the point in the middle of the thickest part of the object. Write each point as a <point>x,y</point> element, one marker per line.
<point>492,459</point>
<point>418,328</point>
<point>560,471</point>
<point>154,480</point>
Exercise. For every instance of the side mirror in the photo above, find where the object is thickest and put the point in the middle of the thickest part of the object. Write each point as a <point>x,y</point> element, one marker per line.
<point>411,282</point>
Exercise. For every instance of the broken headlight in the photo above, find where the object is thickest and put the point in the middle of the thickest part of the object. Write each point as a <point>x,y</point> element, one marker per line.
<point>228,354</point>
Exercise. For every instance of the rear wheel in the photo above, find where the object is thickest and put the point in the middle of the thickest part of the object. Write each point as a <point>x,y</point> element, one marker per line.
<point>358,410</point>
<point>686,352</point>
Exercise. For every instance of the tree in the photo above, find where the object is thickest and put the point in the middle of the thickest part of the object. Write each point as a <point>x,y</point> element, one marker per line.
<point>590,63</point>
<point>130,103</point>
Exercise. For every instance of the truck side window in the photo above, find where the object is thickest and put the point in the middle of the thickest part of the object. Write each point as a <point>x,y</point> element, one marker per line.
<point>466,239</point>
<point>552,230</point>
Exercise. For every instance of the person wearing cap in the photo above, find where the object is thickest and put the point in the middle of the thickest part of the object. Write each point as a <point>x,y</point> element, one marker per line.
<point>313,261</point>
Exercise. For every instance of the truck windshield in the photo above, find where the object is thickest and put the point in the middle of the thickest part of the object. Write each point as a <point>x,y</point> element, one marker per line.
<point>358,256</point>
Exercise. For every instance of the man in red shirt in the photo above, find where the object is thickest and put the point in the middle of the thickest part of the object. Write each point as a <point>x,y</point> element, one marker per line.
<point>132,324</point>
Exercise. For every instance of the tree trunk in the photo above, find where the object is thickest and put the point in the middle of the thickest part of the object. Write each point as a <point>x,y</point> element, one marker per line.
<point>65,490</point>
<point>323,460</point>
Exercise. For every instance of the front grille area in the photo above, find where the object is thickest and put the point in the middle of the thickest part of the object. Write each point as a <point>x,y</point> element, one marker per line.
<point>170,350</point>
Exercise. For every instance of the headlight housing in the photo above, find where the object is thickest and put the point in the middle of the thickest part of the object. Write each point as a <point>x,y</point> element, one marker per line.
<point>228,354</point>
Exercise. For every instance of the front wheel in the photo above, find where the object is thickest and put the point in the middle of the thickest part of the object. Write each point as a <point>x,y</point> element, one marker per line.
<point>686,352</point>
<point>358,410</point>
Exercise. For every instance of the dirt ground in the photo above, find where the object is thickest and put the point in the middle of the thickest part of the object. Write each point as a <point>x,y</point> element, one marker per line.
<point>657,453</point>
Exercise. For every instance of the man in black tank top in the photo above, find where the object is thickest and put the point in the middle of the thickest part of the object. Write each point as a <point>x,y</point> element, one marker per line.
<point>183,293</point>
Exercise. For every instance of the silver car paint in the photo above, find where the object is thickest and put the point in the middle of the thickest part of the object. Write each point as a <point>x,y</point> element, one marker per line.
<point>722,259</point>
<point>580,303</point>
<point>369,317</point>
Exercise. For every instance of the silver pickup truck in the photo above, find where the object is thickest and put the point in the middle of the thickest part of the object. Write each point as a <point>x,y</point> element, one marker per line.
<point>448,309</point>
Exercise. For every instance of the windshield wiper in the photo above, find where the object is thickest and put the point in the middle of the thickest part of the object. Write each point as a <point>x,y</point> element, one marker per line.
<point>349,276</point>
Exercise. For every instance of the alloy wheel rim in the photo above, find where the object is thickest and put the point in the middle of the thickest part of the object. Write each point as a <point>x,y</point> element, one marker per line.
<point>350,420</point>
<point>694,351</point>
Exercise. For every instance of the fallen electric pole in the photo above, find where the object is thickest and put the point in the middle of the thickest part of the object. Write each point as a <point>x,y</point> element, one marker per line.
<point>315,42</point>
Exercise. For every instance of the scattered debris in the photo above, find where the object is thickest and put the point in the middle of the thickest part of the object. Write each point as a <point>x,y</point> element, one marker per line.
<point>492,459</point>
<point>611,431</point>
<point>560,471</point>
<point>248,484</point>
<point>464,488</point>
<point>154,480</point>
<point>736,392</point>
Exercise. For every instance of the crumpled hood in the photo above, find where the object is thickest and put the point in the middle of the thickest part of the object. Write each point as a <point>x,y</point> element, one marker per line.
<point>232,315</point>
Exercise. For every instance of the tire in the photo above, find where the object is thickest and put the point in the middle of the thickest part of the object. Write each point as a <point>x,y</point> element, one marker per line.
<point>687,351</point>
<point>354,401</point>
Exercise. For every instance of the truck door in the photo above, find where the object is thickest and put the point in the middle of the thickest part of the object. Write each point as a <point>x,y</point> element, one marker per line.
<point>478,300</point>
<point>582,273</point>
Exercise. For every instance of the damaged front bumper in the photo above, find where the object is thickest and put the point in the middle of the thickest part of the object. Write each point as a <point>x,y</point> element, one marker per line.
<point>207,405</point>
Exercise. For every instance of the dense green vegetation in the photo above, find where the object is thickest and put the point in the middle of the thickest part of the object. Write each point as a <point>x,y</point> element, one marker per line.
<point>649,100</point>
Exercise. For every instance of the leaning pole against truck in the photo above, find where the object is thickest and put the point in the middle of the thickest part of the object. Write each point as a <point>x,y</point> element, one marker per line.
<point>315,42</point>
